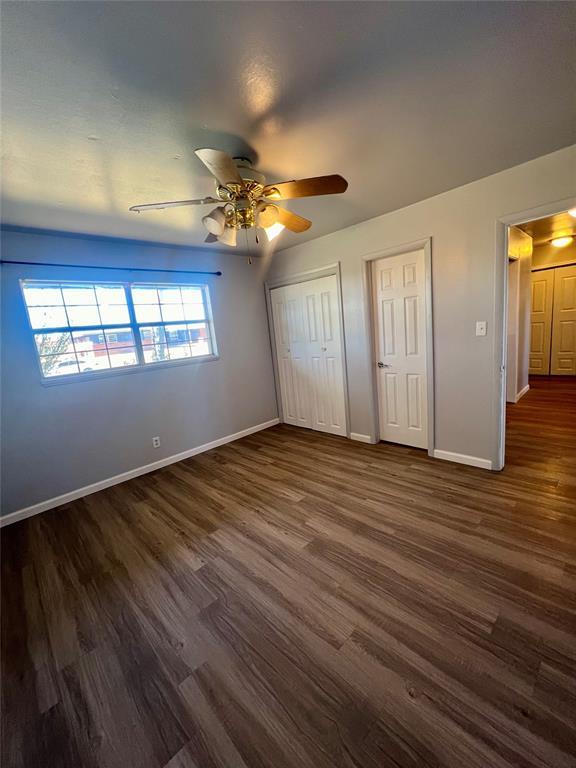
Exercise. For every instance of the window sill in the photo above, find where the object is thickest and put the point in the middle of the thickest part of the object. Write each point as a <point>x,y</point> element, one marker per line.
<point>77,378</point>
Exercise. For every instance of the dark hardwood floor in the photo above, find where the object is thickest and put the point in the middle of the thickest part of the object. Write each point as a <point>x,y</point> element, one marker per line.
<point>295,600</point>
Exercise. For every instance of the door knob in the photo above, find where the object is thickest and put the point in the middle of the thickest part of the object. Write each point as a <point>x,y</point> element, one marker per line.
<point>383,365</point>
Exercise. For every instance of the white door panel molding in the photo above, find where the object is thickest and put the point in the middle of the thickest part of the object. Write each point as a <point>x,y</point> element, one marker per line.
<point>399,301</point>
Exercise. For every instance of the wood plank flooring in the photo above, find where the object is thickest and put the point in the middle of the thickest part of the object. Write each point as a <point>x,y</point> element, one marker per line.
<point>296,600</point>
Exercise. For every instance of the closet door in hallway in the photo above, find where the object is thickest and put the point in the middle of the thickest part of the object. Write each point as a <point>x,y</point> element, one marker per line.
<point>563,358</point>
<point>309,354</point>
<point>541,321</point>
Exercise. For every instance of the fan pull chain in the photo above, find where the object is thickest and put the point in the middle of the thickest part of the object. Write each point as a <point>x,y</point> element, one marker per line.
<point>248,247</point>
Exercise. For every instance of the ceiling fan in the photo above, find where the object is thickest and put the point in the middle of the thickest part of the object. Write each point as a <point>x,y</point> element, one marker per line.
<point>246,201</point>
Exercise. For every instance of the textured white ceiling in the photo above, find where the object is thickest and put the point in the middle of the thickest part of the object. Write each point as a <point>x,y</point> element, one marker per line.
<point>104,103</point>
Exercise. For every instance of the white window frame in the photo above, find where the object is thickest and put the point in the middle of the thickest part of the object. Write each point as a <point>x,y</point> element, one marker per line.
<point>140,366</point>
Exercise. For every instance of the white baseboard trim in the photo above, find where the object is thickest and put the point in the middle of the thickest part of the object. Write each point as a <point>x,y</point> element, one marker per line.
<point>360,438</point>
<point>522,392</point>
<point>462,458</point>
<point>65,498</point>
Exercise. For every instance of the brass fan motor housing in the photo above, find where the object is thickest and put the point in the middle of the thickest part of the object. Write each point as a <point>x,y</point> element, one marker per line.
<point>241,202</point>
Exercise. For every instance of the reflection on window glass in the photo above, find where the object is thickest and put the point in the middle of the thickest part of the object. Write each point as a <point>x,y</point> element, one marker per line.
<point>172,312</point>
<point>152,335</point>
<point>83,315</point>
<point>122,356</point>
<point>43,295</point>
<point>77,294</point>
<point>110,294</point>
<point>194,312</point>
<point>113,314</point>
<point>120,337</point>
<point>59,365</point>
<point>54,343</point>
<point>169,296</point>
<point>142,295</point>
<point>192,295</point>
<point>156,354</point>
<point>200,340</point>
<point>47,317</point>
<point>147,313</point>
<point>89,327</point>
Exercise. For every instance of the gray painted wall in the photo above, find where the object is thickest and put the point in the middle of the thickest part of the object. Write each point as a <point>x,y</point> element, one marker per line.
<point>59,438</point>
<point>467,280</point>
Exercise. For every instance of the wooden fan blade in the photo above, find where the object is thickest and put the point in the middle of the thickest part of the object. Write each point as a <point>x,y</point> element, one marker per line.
<point>292,221</point>
<point>220,165</point>
<point>318,185</point>
<point>174,204</point>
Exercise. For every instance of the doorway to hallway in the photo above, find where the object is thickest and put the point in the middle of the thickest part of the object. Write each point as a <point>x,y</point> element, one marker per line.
<point>540,358</point>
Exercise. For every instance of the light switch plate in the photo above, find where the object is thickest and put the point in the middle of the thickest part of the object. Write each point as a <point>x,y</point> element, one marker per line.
<point>480,327</point>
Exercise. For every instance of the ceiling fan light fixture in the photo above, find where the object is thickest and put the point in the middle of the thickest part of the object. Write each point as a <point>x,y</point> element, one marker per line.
<point>228,237</point>
<point>572,212</point>
<point>561,242</point>
<point>246,201</point>
<point>274,230</point>
<point>215,221</point>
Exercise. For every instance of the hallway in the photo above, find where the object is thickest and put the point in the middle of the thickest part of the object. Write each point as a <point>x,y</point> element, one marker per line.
<point>541,429</point>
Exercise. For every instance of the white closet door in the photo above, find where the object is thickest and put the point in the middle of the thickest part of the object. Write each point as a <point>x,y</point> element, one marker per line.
<point>400,320</point>
<point>291,355</point>
<point>541,321</point>
<point>564,322</point>
<point>307,332</point>
<point>325,364</point>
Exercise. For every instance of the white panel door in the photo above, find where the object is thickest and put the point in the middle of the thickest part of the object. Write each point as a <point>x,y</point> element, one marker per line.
<point>399,286</point>
<point>310,360</point>
<point>541,321</point>
<point>563,359</point>
<point>322,321</point>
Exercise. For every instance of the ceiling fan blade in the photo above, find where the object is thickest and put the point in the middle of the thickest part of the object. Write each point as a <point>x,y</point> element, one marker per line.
<point>220,165</point>
<point>211,239</point>
<point>318,185</point>
<point>174,204</point>
<point>292,221</point>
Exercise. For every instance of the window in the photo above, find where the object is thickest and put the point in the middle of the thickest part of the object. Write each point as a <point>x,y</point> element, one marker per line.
<point>94,327</point>
<point>172,321</point>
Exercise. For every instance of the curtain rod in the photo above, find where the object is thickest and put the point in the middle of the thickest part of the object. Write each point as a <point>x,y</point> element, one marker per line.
<point>121,269</point>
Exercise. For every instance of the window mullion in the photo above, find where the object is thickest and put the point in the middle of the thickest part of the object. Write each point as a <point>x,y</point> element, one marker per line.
<point>134,324</point>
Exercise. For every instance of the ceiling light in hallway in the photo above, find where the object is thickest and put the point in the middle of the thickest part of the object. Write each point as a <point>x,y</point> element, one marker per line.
<point>561,242</point>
